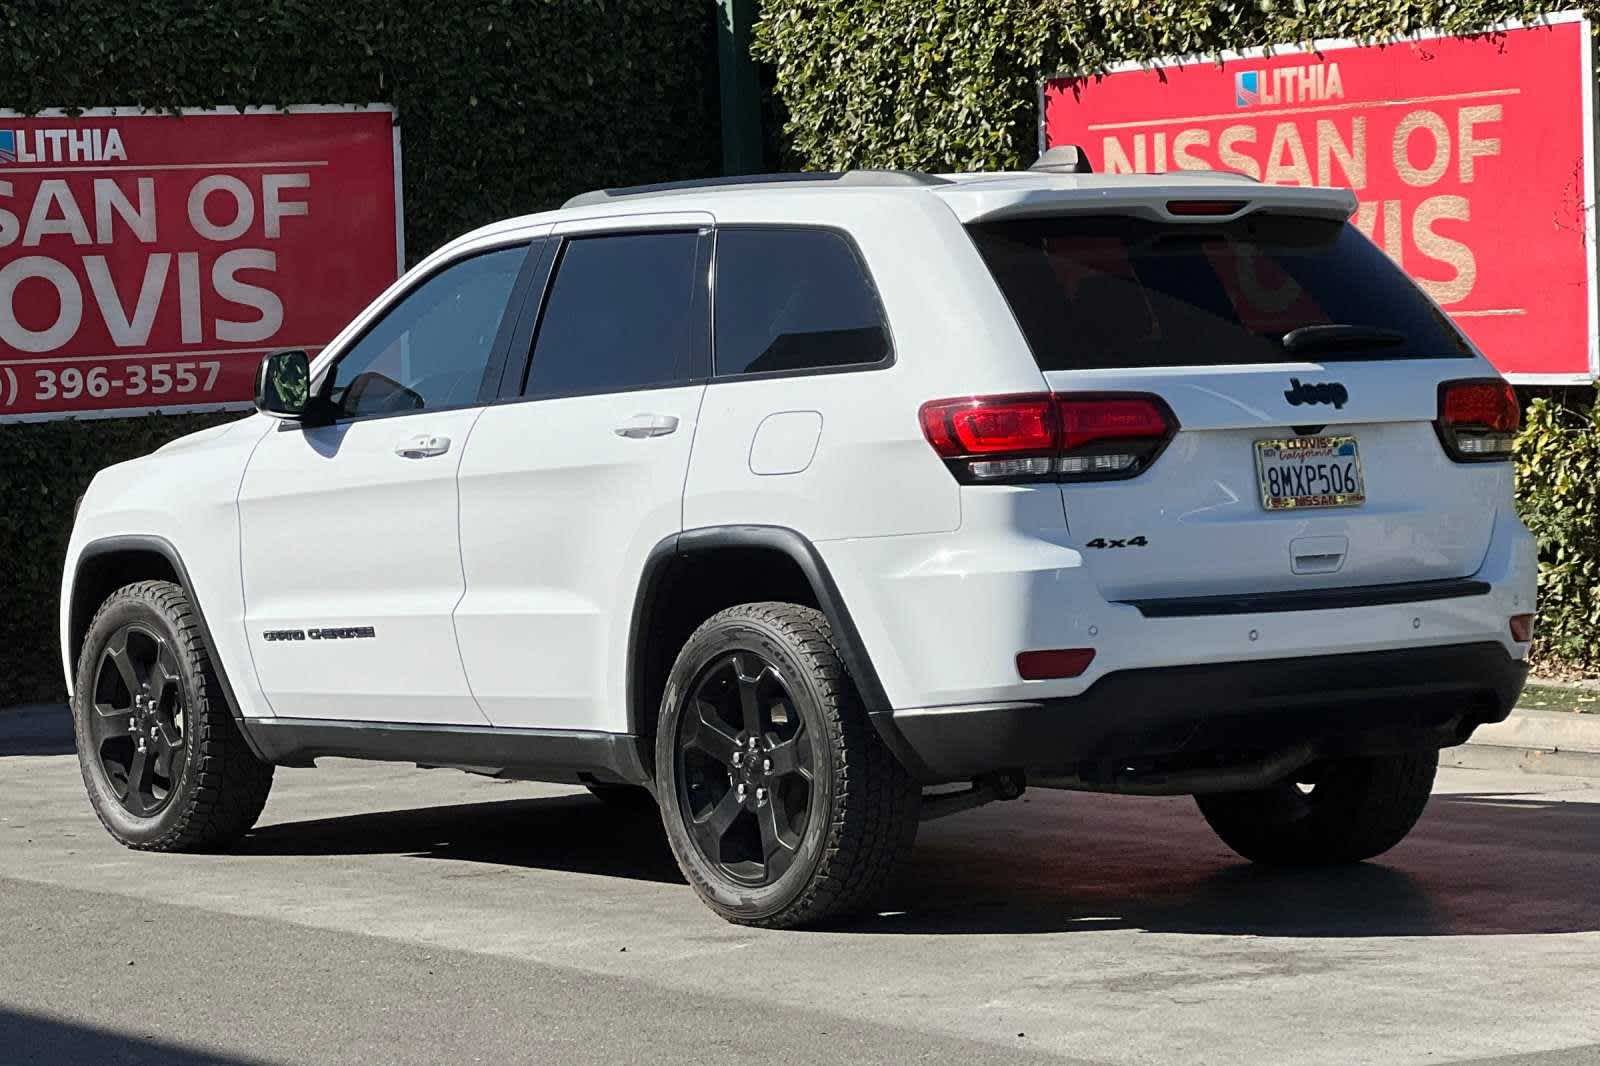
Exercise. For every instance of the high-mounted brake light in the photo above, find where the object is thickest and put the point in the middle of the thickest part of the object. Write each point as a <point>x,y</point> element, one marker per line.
<point>1478,419</point>
<point>1205,208</point>
<point>1048,436</point>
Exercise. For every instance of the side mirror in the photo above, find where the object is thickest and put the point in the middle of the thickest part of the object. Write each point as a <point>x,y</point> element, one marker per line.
<point>283,385</point>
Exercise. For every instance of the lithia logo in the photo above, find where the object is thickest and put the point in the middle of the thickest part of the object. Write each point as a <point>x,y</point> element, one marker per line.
<point>88,145</point>
<point>1288,85</point>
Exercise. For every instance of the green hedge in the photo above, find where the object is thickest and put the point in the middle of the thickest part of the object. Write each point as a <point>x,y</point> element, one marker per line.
<point>952,85</point>
<point>1558,491</point>
<point>506,107</point>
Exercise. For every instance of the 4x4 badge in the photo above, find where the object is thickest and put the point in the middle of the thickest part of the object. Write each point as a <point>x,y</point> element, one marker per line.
<point>1332,392</point>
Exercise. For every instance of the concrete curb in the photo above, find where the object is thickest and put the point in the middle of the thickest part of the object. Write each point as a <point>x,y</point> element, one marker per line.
<point>1538,742</point>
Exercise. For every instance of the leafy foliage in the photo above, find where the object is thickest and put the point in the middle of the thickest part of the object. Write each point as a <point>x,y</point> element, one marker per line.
<point>953,84</point>
<point>1558,491</point>
<point>505,107</point>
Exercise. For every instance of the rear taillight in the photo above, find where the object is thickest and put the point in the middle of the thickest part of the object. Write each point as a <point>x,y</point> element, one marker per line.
<point>1478,419</point>
<point>1048,436</point>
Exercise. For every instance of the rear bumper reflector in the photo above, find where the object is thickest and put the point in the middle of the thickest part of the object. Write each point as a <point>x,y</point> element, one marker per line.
<point>1051,665</point>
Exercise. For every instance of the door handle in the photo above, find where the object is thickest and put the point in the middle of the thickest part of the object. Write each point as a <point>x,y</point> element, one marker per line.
<point>641,426</point>
<point>422,446</point>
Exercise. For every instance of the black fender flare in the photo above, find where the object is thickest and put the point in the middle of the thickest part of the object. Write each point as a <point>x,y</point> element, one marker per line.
<point>150,543</point>
<point>780,539</point>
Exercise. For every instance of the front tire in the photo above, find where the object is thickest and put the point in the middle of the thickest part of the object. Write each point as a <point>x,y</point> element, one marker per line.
<point>162,758</point>
<point>782,805</point>
<point>1349,810</point>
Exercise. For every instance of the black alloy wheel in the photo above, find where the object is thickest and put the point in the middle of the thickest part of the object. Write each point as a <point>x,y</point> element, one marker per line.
<point>1335,811</point>
<point>780,801</point>
<point>138,722</point>
<point>745,782</point>
<point>166,766</point>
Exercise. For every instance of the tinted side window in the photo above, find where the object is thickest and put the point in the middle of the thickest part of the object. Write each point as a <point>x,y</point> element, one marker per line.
<point>794,299</point>
<point>431,349</point>
<point>619,315</point>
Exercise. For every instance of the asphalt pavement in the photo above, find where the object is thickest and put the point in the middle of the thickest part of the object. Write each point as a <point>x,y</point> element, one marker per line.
<point>384,914</point>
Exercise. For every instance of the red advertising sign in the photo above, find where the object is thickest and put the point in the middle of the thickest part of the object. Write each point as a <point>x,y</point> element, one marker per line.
<point>1472,159</point>
<point>147,260</point>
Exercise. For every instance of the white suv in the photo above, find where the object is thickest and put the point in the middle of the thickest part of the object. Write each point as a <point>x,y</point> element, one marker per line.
<point>788,498</point>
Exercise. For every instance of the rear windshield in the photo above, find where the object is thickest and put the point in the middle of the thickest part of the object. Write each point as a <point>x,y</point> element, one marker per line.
<point>1099,292</point>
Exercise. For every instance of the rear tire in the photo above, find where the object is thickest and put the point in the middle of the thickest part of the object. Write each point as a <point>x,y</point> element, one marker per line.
<point>162,757</point>
<point>782,805</point>
<point>1355,809</point>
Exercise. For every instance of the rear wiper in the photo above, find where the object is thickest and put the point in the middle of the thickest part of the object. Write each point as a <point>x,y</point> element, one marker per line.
<point>1340,335</point>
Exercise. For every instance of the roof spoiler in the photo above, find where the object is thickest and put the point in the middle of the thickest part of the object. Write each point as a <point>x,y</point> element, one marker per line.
<point>1191,199</point>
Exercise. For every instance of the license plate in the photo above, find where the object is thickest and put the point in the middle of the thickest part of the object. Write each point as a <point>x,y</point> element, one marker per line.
<point>1302,472</point>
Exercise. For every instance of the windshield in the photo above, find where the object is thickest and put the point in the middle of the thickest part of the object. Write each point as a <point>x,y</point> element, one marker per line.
<point>1102,292</point>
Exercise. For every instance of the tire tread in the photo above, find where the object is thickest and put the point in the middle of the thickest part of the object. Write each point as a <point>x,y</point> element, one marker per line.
<point>1374,804</point>
<point>231,785</point>
<point>873,820</point>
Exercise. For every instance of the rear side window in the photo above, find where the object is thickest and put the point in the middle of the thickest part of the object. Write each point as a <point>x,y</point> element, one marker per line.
<point>1105,292</point>
<point>619,315</point>
<point>793,300</point>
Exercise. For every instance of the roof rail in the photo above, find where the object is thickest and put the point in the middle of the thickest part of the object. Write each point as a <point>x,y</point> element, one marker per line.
<point>852,179</point>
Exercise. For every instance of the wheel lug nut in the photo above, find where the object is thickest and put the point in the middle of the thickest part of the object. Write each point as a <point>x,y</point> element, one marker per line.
<point>761,795</point>
<point>741,791</point>
<point>738,758</point>
<point>766,766</point>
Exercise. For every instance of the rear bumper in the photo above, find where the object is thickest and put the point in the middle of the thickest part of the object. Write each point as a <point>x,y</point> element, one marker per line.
<point>942,617</point>
<point>1220,713</point>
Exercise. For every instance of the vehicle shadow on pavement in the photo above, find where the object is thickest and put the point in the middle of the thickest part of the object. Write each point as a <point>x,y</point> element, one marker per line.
<point>1476,865</point>
<point>39,729</point>
<point>36,1040</point>
<point>576,834</point>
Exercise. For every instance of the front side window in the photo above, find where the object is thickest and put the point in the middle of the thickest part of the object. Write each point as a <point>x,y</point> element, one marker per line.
<point>431,349</point>
<point>620,315</point>
<point>793,300</point>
